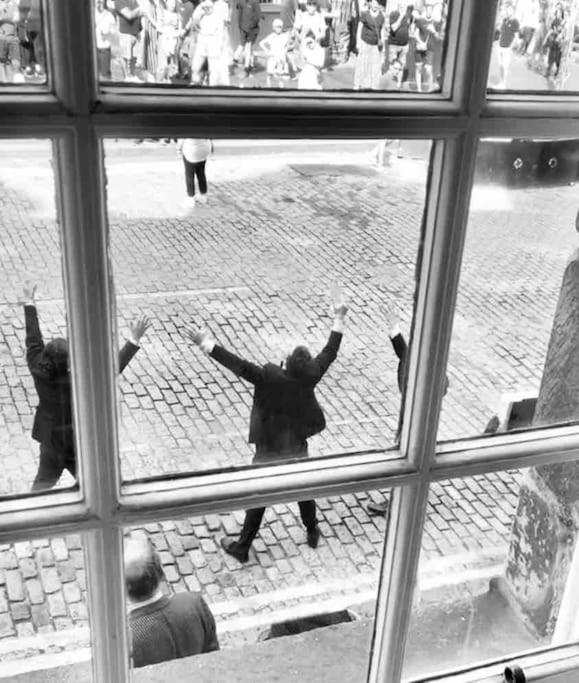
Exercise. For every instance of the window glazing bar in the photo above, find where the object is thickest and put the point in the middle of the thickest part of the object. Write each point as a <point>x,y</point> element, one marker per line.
<point>452,169</point>
<point>106,594</point>
<point>531,127</point>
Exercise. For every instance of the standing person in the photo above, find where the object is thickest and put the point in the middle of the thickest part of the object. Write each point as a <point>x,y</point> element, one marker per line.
<point>285,413</point>
<point>105,29</point>
<point>31,38</point>
<point>195,152</point>
<point>399,23</point>
<point>249,16</point>
<point>162,627</point>
<point>530,20</point>
<point>310,21</point>
<point>210,21</point>
<point>401,350</point>
<point>312,60</point>
<point>425,35</point>
<point>168,35</point>
<point>554,41</point>
<point>275,46</point>
<point>9,44</point>
<point>370,43</point>
<point>508,36</point>
<point>130,26</point>
<point>49,367</point>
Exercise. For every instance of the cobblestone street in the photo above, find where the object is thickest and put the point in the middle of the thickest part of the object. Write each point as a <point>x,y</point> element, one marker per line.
<point>255,265</point>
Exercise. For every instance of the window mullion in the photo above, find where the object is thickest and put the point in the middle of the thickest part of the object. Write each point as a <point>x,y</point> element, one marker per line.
<point>81,201</point>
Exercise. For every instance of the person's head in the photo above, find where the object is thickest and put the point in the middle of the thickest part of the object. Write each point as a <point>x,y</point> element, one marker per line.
<point>55,357</point>
<point>143,570</point>
<point>100,5</point>
<point>298,362</point>
<point>374,6</point>
<point>171,5</point>
<point>311,6</point>
<point>395,68</point>
<point>429,10</point>
<point>277,25</point>
<point>509,11</point>
<point>402,7</point>
<point>559,11</point>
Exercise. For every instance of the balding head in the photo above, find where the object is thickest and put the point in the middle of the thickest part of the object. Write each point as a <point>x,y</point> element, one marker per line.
<point>143,570</point>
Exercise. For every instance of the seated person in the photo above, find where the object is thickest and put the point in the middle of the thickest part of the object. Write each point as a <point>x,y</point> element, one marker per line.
<point>162,627</point>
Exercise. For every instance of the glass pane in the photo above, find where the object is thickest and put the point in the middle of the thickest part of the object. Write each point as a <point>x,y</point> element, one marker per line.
<point>288,581</point>
<point>512,356</point>
<point>494,576</point>
<point>44,620</point>
<point>36,435</point>
<point>305,45</point>
<point>253,262</point>
<point>22,46</point>
<point>536,46</point>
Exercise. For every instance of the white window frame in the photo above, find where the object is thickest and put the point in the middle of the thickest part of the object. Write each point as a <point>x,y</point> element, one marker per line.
<point>77,117</point>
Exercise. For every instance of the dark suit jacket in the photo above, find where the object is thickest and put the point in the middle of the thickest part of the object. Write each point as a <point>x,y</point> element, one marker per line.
<point>53,419</point>
<point>285,410</point>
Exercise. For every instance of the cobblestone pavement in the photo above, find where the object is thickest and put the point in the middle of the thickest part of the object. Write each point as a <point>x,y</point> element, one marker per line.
<point>255,265</point>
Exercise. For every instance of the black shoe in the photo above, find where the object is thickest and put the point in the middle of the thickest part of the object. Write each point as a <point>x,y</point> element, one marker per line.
<point>377,508</point>
<point>314,536</point>
<point>231,548</point>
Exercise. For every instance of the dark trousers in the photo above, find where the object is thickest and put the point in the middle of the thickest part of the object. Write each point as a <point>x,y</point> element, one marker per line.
<point>104,63</point>
<point>253,522</point>
<point>192,170</point>
<point>51,465</point>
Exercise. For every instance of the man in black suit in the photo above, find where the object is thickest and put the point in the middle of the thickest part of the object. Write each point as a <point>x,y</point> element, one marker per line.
<point>48,365</point>
<point>400,347</point>
<point>285,413</point>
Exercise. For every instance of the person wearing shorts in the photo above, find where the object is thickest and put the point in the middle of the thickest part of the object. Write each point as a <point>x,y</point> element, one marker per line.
<point>399,33</point>
<point>129,16</point>
<point>275,46</point>
<point>249,16</point>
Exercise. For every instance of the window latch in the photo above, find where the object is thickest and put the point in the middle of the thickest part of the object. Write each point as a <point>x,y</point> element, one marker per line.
<point>514,674</point>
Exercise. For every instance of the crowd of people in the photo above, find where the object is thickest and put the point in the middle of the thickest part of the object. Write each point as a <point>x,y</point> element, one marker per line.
<point>542,32</point>
<point>22,53</point>
<point>226,42</point>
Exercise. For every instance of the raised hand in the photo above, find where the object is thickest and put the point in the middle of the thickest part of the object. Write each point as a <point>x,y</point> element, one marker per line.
<point>28,294</point>
<point>339,305</point>
<point>139,327</point>
<point>197,336</point>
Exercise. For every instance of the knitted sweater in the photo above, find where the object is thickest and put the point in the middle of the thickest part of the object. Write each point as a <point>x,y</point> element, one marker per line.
<point>170,628</point>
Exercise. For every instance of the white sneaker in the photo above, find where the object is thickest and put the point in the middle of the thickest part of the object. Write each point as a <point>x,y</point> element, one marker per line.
<point>203,199</point>
<point>189,204</point>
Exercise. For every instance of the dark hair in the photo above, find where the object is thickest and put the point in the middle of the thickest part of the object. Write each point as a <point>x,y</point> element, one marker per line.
<point>143,577</point>
<point>298,362</point>
<point>55,357</point>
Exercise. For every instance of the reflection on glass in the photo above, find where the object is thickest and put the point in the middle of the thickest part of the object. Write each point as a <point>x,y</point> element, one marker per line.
<point>495,575</point>
<point>536,43</point>
<point>308,45</point>
<point>22,50</point>
<point>36,441</point>
<point>184,577</point>
<point>238,251</point>
<point>43,606</point>
<point>512,361</point>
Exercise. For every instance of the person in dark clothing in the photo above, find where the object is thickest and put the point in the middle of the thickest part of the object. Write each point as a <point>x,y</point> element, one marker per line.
<point>162,627</point>
<point>285,413</point>
<point>401,350</point>
<point>49,367</point>
<point>249,16</point>
<point>31,39</point>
